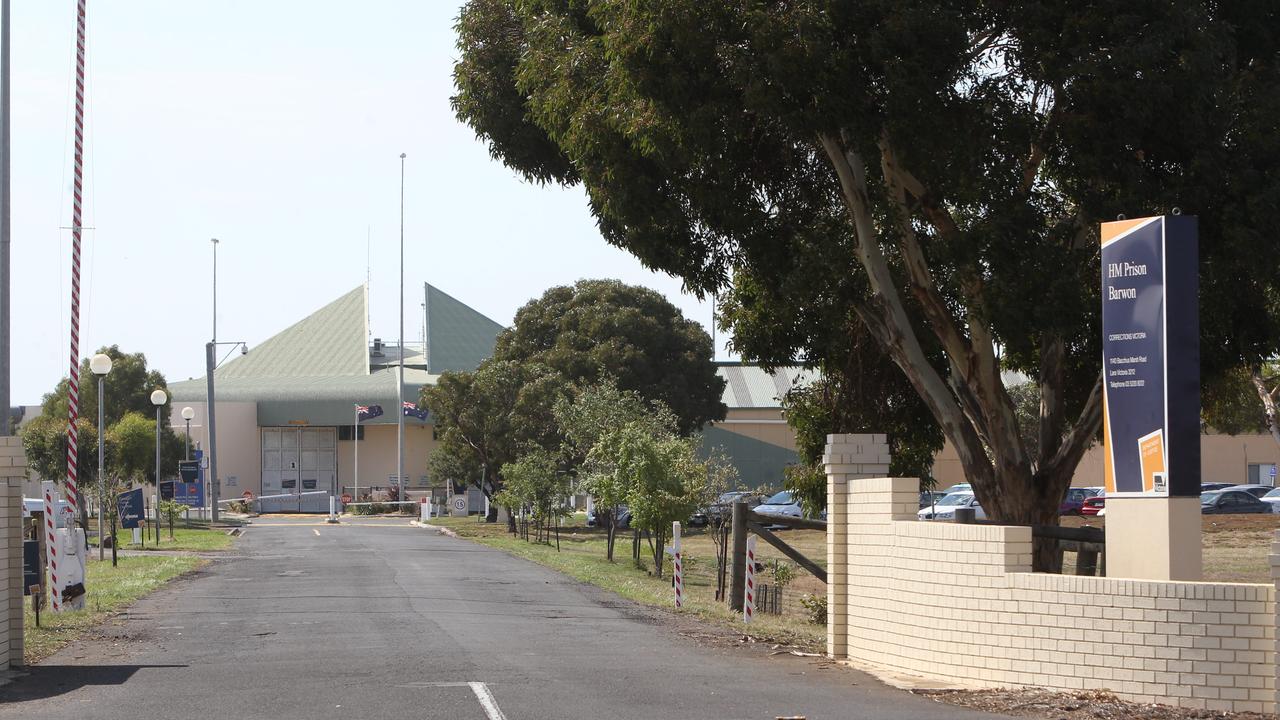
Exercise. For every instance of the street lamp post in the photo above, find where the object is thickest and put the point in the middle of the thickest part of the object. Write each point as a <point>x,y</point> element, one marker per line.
<point>101,365</point>
<point>210,365</point>
<point>158,398</point>
<point>187,414</point>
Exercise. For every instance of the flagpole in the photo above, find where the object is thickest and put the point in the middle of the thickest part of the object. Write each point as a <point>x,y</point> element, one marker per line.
<point>400,374</point>
<point>355,437</point>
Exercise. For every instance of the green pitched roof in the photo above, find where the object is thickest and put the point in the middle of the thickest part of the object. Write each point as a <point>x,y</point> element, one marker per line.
<point>458,337</point>
<point>330,341</point>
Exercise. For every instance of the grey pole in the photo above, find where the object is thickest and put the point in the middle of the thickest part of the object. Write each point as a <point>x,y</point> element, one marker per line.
<point>186,442</point>
<point>158,474</point>
<point>209,349</point>
<point>102,475</point>
<point>400,379</point>
<point>215,289</point>
<point>4,217</point>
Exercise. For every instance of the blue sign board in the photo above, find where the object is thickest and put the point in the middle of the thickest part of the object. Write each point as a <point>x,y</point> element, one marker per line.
<point>30,565</point>
<point>130,508</point>
<point>1151,357</point>
<point>190,494</point>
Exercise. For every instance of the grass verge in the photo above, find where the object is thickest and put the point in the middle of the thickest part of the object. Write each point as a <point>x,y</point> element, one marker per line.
<point>185,539</point>
<point>109,590</point>
<point>582,556</point>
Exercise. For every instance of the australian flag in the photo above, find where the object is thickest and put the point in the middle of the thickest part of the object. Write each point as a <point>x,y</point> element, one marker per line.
<point>368,412</point>
<point>412,410</point>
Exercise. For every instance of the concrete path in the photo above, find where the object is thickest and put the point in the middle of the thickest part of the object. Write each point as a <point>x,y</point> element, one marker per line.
<point>377,619</point>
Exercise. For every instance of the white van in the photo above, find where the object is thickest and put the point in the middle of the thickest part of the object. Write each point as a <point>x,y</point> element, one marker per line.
<point>33,505</point>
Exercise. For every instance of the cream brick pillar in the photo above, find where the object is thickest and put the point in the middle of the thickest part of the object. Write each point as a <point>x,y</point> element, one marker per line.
<point>1275,578</point>
<point>13,470</point>
<point>847,457</point>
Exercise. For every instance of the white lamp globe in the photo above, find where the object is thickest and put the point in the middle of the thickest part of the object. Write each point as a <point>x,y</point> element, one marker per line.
<point>100,364</point>
<point>188,413</point>
<point>159,397</point>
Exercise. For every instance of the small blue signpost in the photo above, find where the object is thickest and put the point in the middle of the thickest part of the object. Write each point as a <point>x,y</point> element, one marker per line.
<point>130,508</point>
<point>189,490</point>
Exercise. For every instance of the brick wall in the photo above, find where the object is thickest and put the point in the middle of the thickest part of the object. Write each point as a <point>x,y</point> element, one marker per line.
<point>960,603</point>
<point>13,470</point>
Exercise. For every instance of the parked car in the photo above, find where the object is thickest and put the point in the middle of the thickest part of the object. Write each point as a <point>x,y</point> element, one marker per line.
<point>1211,486</point>
<point>720,510</point>
<point>1255,490</point>
<point>624,517</point>
<point>945,509</point>
<point>1095,505</point>
<point>958,487</point>
<point>783,503</point>
<point>1231,502</point>
<point>929,497</point>
<point>1273,499</point>
<point>1073,501</point>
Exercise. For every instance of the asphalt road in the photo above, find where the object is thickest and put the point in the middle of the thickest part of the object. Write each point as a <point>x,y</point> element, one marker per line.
<point>378,619</point>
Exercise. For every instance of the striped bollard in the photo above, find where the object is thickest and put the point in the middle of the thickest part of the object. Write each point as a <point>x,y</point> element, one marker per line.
<point>51,544</point>
<point>677,565</point>
<point>749,600</point>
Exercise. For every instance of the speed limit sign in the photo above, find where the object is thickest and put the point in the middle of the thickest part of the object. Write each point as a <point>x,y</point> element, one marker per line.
<point>458,505</point>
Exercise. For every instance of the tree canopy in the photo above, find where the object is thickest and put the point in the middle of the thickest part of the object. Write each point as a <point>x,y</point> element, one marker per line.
<point>961,154</point>
<point>491,417</point>
<point>605,328</point>
<point>128,417</point>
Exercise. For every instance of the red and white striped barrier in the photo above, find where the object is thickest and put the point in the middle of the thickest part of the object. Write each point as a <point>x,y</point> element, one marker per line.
<point>749,596</point>
<point>51,543</point>
<point>677,566</point>
<point>77,218</point>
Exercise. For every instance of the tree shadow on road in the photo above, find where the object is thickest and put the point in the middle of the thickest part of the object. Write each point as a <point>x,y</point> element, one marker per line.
<point>37,682</point>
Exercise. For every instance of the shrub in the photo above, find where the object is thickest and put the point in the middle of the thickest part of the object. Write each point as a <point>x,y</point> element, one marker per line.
<point>816,605</point>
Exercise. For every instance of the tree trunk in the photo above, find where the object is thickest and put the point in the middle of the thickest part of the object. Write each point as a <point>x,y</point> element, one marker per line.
<point>1268,402</point>
<point>511,520</point>
<point>659,550</point>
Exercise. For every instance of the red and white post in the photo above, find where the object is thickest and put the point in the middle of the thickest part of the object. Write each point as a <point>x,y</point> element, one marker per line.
<point>749,590</point>
<point>51,543</point>
<point>77,218</point>
<point>677,566</point>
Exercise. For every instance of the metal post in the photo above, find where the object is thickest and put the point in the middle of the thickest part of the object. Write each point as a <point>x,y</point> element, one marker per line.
<point>209,349</point>
<point>400,378</point>
<point>186,443</point>
<point>215,289</point>
<point>738,582</point>
<point>355,438</point>
<point>102,475</point>
<point>5,294</point>
<point>158,473</point>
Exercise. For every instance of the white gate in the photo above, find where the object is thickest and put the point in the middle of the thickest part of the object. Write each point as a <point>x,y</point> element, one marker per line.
<point>298,460</point>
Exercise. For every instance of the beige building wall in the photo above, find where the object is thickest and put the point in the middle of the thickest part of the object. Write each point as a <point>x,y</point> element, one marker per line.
<point>239,443</point>
<point>763,424</point>
<point>378,456</point>
<point>1223,458</point>
<point>960,603</point>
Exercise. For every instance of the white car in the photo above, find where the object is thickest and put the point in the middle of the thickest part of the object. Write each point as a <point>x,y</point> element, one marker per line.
<point>1273,499</point>
<point>945,509</point>
<point>783,503</point>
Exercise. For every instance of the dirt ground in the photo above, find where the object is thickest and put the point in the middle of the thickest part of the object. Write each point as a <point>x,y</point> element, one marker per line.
<point>1236,547</point>
<point>1084,705</point>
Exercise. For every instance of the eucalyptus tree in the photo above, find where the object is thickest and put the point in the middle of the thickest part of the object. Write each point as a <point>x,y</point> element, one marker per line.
<point>961,153</point>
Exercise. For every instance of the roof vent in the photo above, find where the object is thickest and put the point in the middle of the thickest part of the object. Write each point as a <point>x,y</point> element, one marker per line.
<point>377,347</point>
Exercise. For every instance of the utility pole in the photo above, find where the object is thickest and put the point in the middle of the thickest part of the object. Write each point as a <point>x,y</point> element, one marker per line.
<point>400,375</point>
<point>5,293</point>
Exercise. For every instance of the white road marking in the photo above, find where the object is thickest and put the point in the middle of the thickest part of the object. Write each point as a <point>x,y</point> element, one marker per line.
<point>486,701</point>
<point>317,532</point>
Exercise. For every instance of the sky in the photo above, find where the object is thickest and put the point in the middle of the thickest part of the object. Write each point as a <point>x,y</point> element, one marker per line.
<point>276,127</point>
